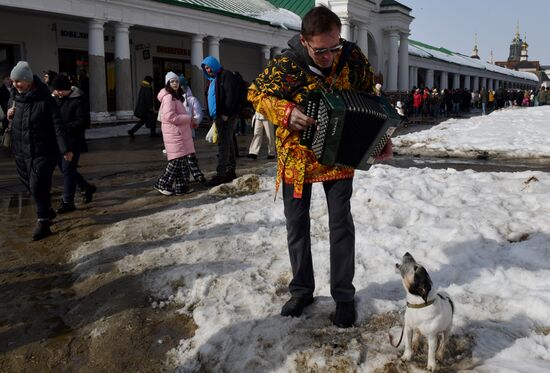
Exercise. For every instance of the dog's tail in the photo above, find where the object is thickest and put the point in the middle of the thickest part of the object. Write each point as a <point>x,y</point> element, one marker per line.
<point>400,338</point>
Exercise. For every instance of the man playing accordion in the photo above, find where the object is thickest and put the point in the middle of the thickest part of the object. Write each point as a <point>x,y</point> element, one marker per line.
<point>317,59</point>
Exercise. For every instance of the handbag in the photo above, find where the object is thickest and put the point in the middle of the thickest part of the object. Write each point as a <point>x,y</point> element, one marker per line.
<point>6,139</point>
<point>212,135</point>
<point>159,116</point>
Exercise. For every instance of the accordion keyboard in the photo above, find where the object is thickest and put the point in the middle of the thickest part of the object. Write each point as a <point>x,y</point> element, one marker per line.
<point>321,129</point>
<point>351,127</point>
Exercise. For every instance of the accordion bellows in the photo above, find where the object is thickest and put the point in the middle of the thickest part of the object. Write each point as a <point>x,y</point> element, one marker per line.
<point>351,127</point>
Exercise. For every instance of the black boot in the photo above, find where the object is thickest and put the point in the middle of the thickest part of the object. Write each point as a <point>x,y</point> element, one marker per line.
<point>231,175</point>
<point>65,207</point>
<point>345,315</point>
<point>295,306</point>
<point>218,180</point>
<point>42,229</point>
<point>87,194</point>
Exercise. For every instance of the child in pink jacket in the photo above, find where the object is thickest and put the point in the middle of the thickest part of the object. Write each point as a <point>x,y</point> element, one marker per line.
<point>177,136</point>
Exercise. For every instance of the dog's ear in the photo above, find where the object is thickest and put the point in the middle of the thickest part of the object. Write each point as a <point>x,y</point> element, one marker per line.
<point>408,257</point>
<point>422,283</point>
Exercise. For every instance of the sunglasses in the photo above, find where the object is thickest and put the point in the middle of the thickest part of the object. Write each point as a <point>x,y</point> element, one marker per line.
<point>321,51</point>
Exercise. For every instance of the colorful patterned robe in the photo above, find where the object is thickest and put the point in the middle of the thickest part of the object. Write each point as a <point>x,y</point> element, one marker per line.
<point>282,86</point>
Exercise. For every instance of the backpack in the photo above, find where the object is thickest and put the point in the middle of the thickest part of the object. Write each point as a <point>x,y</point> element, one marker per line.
<point>246,109</point>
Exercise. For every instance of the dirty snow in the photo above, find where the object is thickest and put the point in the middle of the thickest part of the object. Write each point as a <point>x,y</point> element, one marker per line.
<point>221,257</point>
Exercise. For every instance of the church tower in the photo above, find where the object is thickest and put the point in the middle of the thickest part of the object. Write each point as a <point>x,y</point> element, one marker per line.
<point>515,47</point>
<point>524,56</point>
<point>475,51</point>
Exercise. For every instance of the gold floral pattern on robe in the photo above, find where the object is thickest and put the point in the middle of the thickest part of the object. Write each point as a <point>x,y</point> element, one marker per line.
<point>282,86</point>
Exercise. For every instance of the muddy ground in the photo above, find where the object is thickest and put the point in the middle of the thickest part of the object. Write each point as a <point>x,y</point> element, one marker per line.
<point>50,320</point>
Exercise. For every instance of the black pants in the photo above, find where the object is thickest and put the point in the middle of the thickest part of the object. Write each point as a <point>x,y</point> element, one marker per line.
<point>36,175</point>
<point>342,240</point>
<point>149,121</point>
<point>71,177</point>
<point>226,147</point>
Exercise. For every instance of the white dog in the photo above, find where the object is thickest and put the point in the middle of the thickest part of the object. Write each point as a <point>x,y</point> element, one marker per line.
<point>427,312</point>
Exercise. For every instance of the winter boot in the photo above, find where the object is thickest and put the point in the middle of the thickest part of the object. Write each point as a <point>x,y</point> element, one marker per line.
<point>65,207</point>
<point>88,193</point>
<point>42,229</point>
<point>345,315</point>
<point>295,306</point>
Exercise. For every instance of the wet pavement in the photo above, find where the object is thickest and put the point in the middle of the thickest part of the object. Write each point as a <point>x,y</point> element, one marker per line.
<point>47,317</point>
<point>48,314</point>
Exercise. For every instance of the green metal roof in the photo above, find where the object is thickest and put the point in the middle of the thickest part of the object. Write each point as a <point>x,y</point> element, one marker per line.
<point>298,7</point>
<point>424,45</point>
<point>231,8</point>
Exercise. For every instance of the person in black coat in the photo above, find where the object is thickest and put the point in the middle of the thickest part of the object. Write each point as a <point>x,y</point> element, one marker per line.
<point>38,137</point>
<point>223,107</point>
<point>76,116</point>
<point>145,108</point>
<point>4,98</point>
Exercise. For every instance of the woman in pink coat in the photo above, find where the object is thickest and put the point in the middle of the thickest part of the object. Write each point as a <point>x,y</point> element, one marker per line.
<point>177,137</point>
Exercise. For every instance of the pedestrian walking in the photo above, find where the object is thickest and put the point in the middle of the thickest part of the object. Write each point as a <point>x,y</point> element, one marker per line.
<point>176,124</point>
<point>38,137</point>
<point>48,76</point>
<point>74,111</point>
<point>260,125</point>
<point>193,107</point>
<point>484,98</point>
<point>145,108</point>
<point>4,98</point>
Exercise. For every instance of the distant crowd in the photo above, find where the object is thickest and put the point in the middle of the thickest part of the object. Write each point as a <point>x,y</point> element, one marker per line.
<point>423,103</point>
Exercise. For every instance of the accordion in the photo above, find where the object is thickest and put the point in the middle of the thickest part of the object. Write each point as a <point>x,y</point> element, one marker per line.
<point>351,127</point>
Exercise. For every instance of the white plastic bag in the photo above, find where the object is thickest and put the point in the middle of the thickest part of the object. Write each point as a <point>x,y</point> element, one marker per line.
<point>212,135</point>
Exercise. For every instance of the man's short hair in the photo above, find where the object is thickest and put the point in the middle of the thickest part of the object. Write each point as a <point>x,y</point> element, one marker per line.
<point>319,20</point>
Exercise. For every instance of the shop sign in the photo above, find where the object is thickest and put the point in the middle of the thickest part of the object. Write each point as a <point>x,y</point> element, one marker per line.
<point>172,50</point>
<point>71,34</point>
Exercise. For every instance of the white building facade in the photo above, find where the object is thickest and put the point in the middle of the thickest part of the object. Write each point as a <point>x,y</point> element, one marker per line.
<point>115,43</point>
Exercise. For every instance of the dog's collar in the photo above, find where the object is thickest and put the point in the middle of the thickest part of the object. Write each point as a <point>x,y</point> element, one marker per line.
<point>421,305</point>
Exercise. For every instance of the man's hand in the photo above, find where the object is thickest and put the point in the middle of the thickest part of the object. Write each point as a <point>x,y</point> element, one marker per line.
<point>386,153</point>
<point>10,113</point>
<point>68,156</point>
<point>298,120</point>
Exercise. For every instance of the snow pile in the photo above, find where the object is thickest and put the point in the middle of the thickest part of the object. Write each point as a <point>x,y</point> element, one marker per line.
<point>507,133</point>
<point>482,236</point>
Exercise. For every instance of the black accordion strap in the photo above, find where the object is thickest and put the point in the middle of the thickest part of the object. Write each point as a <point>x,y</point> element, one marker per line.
<point>346,50</point>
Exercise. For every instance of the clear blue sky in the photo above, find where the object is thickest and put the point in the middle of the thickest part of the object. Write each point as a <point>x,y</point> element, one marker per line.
<point>453,24</point>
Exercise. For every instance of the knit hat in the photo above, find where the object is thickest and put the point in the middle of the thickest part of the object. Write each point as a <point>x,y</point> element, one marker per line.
<point>378,86</point>
<point>183,81</point>
<point>22,71</point>
<point>61,83</point>
<point>169,76</point>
